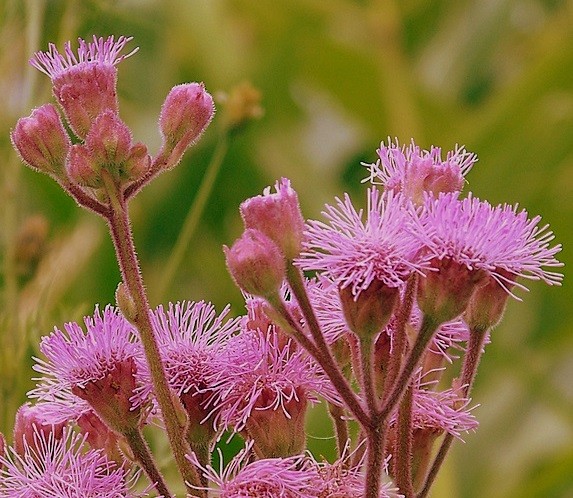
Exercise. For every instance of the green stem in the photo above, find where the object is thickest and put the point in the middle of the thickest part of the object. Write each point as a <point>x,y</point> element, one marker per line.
<point>144,458</point>
<point>469,370</point>
<point>193,216</point>
<point>174,417</point>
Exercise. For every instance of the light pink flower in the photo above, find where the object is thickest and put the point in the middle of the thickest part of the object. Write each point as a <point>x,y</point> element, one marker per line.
<point>353,251</point>
<point>288,477</point>
<point>63,468</point>
<point>413,171</point>
<point>79,362</point>
<point>500,240</point>
<point>84,84</point>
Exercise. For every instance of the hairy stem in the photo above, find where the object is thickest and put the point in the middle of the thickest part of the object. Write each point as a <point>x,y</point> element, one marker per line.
<point>144,458</point>
<point>340,428</point>
<point>469,370</point>
<point>174,417</point>
<point>403,449</point>
<point>425,334</point>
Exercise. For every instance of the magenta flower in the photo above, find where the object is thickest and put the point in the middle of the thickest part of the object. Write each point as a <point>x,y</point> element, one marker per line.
<point>92,368</point>
<point>354,253</point>
<point>63,468</point>
<point>84,84</point>
<point>288,477</point>
<point>262,384</point>
<point>413,171</point>
<point>191,337</point>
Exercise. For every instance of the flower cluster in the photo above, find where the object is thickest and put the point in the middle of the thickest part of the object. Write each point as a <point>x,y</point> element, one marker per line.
<point>364,310</point>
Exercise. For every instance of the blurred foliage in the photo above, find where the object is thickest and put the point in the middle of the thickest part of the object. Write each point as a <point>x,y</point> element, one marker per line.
<point>336,78</point>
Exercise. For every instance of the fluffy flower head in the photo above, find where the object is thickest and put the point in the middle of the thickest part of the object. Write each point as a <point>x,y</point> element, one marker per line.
<point>354,252</point>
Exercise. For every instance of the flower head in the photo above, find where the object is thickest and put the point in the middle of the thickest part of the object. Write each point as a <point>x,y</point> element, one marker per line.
<point>263,384</point>
<point>191,337</point>
<point>288,477</point>
<point>94,368</point>
<point>354,252</point>
<point>84,84</point>
<point>61,467</point>
<point>414,171</point>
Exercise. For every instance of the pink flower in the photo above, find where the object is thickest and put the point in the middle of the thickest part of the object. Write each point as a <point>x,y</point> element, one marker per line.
<point>62,468</point>
<point>263,384</point>
<point>353,252</point>
<point>191,337</point>
<point>84,84</point>
<point>500,240</point>
<point>288,477</point>
<point>95,368</point>
<point>413,171</point>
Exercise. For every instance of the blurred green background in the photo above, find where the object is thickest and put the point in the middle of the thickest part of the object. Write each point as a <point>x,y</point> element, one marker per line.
<point>336,78</point>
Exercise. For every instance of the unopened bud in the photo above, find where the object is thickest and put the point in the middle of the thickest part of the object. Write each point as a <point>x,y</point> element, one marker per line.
<point>42,141</point>
<point>125,302</point>
<point>278,216</point>
<point>368,312</point>
<point>30,424</point>
<point>109,139</point>
<point>185,114</point>
<point>256,263</point>
<point>81,167</point>
<point>444,294</point>
<point>137,164</point>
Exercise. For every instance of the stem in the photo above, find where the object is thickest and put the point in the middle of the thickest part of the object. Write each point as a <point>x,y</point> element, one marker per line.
<point>144,458</point>
<point>324,359</point>
<point>340,426</point>
<point>469,370</point>
<point>403,449</point>
<point>400,337</point>
<point>426,333</point>
<point>194,214</point>
<point>173,417</point>
<point>367,375</point>
<point>374,460</point>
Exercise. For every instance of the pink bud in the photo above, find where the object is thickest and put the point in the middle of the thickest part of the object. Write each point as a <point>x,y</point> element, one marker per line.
<point>84,92</point>
<point>185,114</point>
<point>368,312</point>
<point>29,424</point>
<point>137,164</point>
<point>444,294</point>
<point>109,139</point>
<point>81,167</point>
<point>278,216</point>
<point>41,140</point>
<point>256,263</point>
<point>99,436</point>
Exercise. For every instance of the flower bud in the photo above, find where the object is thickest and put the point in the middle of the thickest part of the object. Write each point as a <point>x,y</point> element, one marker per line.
<point>137,164</point>
<point>109,139</point>
<point>81,167</point>
<point>29,424</point>
<point>444,294</point>
<point>487,305</point>
<point>368,312</point>
<point>256,263</point>
<point>278,216</point>
<point>185,114</point>
<point>41,140</point>
<point>99,436</point>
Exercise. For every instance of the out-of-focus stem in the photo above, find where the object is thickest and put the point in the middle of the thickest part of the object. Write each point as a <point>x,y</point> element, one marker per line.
<point>469,370</point>
<point>367,375</point>
<point>174,418</point>
<point>194,215</point>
